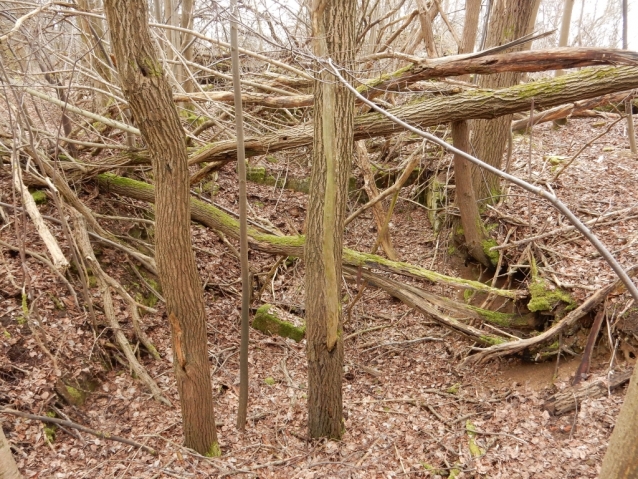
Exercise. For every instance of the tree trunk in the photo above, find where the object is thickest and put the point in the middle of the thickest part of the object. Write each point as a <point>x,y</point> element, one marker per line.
<point>470,26</point>
<point>8,466</point>
<point>621,459</point>
<point>510,19</point>
<point>333,23</point>
<point>473,230</point>
<point>426,29</point>
<point>149,96</point>
<point>564,28</point>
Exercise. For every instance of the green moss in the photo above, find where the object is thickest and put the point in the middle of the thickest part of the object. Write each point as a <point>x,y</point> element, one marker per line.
<point>270,381</point>
<point>39,196</point>
<point>545,299</point>
<point>491,254</point>
<point>59,305</point>
<point>50,429</point>
<point>214,450</point>
<point>272,159</point>
<point>492,340</point>
<point>270,324</point>
<point>357,258</point>
<point>454,389</point>
<point>256,174</point>
<point>75,396</point>
<point>468,294</point>
<point>475,449</point>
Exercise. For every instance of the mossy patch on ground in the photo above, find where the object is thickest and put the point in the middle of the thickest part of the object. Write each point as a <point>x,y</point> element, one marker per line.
<point>39,196</point>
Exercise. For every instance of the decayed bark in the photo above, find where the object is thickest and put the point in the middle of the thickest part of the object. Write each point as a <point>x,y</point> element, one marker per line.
<point>8,466</point>
<point>510,19</point>
<point>333,31</point>
<point>474,104</point>
<point>150,98</point>
<point>480,63</point>
<point>621,459</point>
<point>59,260</point>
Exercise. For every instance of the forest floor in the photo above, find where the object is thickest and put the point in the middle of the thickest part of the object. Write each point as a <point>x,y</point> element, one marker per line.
<point>409,406</point>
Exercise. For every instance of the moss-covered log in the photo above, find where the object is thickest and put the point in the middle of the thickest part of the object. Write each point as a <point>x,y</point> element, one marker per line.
<point>474,104</point>
<point>267,322</point>
<point>216,219</point>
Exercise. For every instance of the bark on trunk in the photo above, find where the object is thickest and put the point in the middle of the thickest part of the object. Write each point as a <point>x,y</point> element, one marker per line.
<point>334,33</point>
<point>149,96</point>
<point>510,19</point>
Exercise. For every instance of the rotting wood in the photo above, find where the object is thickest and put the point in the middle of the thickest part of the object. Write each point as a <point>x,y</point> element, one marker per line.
<point>569,399</point>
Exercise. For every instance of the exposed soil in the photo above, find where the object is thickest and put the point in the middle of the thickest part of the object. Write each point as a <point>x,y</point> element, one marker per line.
<point>409,406</point>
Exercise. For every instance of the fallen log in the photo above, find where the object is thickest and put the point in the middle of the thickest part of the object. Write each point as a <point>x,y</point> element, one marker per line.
<point>216,219</point>
<point>524,61</point>
<point>569,399</point>
<point>474,104</point>
<point>570,109</point>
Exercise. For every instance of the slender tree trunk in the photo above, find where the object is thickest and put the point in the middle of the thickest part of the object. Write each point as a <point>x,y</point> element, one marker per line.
<point>187,49</point>
<point>333,24</point>
<point>150,98</point>
<point>426,29</point>
<point>473,230</point>
<point>564,28</point>
<point>621,459</point>
<point>631,131</point>
<point>562,42</point>
<point>509,20</point>
<point>8,466</point>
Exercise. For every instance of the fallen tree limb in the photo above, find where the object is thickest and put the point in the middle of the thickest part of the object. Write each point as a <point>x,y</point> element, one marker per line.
<point>79,427</point>
<point>569,399</point>
<point>568,321</point>
<point>474,104</point>
<point>59,260</point>
<point>570,109</point>
<point>216,219</point>
<point>523,61</point>
<point>414,298</point>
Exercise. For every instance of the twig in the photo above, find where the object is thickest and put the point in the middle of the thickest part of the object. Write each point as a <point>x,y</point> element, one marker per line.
<point>79,427</point>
